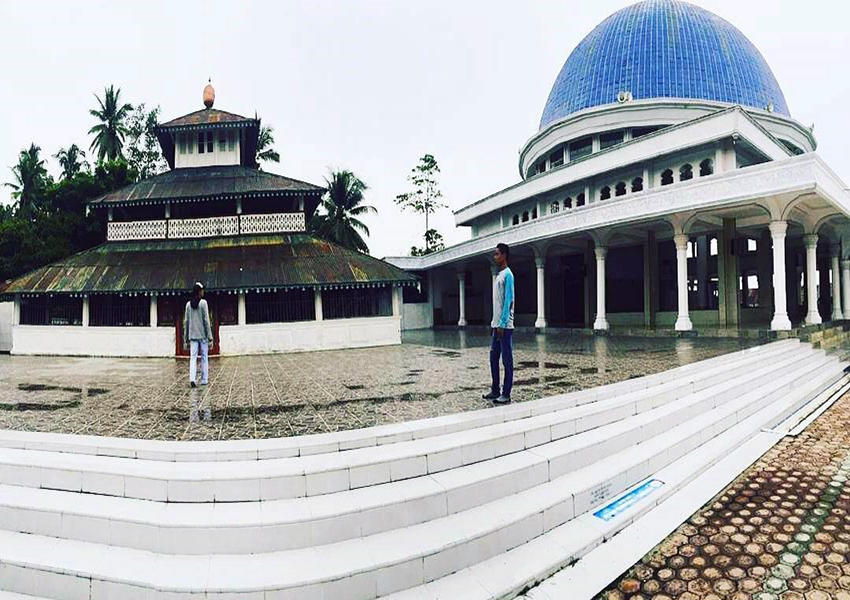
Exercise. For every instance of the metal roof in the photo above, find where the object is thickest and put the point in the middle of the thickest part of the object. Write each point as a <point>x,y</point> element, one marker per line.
<point>200,183</point>
<point>239,263</point>
<point>207,117</point>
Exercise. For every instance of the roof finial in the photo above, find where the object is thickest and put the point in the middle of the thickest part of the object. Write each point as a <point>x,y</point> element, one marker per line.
<point>209,94</point>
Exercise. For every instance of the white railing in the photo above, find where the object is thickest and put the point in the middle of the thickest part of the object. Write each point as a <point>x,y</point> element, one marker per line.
<point>208,227</point>
<point>136,230</point>
<point>202,228</point>
<point>274,223</point>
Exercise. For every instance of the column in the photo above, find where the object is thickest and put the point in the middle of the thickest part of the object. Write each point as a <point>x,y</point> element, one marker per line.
<point>702,251</point>
<point>601,322</point>
<point>396,296</point>
<point>845,287</point>
<point>811,241</point>
<point>154,311</point>
<point>241,311</point>
<point>837,314</point>
<point>16,311</point>
<point>317,298</point>
<point>85,311</point>
<point>780,321</point>
<point>540,323</point>
<point>683,322</point>
<point>461,282</point>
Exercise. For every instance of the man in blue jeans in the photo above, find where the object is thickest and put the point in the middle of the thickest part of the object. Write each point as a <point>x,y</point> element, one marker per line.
<point>501,343</point>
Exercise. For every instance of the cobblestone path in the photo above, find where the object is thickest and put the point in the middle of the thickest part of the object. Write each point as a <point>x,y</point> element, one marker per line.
<point>780,531</point>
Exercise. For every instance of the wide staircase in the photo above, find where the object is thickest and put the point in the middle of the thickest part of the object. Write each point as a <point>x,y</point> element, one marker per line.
<point>474,505</point>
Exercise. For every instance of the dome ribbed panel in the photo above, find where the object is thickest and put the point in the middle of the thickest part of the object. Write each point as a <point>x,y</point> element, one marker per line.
<point>663,49</point>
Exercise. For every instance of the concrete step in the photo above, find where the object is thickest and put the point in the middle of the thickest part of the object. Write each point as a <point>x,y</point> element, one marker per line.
<point>335,472</point>
<point>404,557</point>
<point>510,573</point>
<point>240,450</point>
<point>293,523</point>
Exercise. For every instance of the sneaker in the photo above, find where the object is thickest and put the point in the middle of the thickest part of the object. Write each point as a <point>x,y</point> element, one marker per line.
<point>502,400</point>
<point>491,396</point>
<point>193,384</point>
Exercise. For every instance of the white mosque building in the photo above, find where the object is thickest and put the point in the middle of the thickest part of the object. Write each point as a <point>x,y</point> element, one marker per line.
<point>667,187</point>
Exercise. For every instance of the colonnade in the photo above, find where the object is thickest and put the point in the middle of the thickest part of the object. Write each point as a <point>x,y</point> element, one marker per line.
<point>778,229</point>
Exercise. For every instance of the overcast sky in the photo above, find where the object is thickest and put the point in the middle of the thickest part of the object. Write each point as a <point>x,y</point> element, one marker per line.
<point>368,86</point>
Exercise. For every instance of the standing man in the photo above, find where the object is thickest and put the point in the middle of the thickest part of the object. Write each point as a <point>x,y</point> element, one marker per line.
<point>198,335</point>
<point>502,343</point>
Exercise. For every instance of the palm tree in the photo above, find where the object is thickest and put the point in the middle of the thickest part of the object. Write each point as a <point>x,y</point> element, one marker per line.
<point>265,141</point>
<point>72,160</point>
<point>343,205</point>
<point>109,133</point>
<point>31,179</point>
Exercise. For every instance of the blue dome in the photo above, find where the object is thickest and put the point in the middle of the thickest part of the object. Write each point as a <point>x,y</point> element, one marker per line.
<point>663,49</point>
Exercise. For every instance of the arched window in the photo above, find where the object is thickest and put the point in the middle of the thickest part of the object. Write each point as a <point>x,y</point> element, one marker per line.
<point>637,184</point>
<point>534,213</point>
<point>605,193</point>
<point>712,247</point>
<point>580,199</point>
<point>686,172</point>
<point>706,167</point>
<point>692,250</point>
<point>568,203</point>
<point>516,220</point>
<point>667,177</point>
<point>556,206</point>
<point>525,216</point>
<point>620,189</point>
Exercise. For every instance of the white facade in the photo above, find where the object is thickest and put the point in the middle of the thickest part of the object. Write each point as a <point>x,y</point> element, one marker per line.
<point>207,148</point>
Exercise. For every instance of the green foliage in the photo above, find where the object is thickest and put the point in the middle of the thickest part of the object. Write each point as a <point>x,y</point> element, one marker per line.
<point>31,179</point>
<point>343,205</point>
<point>60,227</point>
<point>111,131</point>
<point>72,160</point>
<point>425,197</point>
<point>265,149</point>
<point>142,149</point>
<point>433,243</point>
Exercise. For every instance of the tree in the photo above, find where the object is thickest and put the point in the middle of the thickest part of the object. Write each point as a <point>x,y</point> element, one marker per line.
<point>142,148</point>
<point>265,151</point>
<point>343,205</point>
<point>424,198</point>
<point>72,160</point>
<point>31,180</point>
<point>433,243</point>
<point>110,132</point>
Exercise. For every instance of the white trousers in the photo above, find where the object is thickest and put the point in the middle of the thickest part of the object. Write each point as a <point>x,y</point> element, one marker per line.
<point>194,345</point>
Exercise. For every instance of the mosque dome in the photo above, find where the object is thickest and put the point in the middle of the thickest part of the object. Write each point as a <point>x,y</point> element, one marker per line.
<point>663,49</point>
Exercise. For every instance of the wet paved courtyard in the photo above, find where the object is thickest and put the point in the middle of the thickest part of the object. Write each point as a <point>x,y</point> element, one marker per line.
<point>780,531</point>
<point>432,373</point>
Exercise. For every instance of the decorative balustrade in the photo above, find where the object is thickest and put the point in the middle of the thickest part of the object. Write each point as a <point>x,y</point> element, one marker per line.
<point>203,228</point>
<point>206,227</point>
<point>274,223</point>
<point>136,230</point>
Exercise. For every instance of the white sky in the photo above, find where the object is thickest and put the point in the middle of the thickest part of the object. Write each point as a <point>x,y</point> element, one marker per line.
<point>369,86</point>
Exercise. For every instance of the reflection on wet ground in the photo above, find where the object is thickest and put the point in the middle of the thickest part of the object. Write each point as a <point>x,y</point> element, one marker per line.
<point>432,373</point>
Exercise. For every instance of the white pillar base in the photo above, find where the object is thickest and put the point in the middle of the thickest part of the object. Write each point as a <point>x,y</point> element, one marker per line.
<point>540,324</point>
<point>461,323</point>
<point>683,323</point>
<point>780,323</point>
<point>600,324</point>
<point>813,319</point>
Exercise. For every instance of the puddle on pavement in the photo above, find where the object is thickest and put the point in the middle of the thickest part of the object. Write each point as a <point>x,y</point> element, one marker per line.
<point>39,406</point>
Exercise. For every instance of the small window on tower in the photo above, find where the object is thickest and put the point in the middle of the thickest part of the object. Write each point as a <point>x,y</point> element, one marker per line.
<point>231,140</point>
<point>580,199</point>
<point>556,207</point>
<point>568,203</point>
<point>620,189</point>
<point>752,245</point>
<point>516,220</point>
<point>637,184</point>
<point>686,172</point>
<point>210,141</point>
<point>181,143</point>
<point>525,216</point>
<point>605,193</point>
<point>667,177</point>
<point>222,141</point>
<point>201,142</point>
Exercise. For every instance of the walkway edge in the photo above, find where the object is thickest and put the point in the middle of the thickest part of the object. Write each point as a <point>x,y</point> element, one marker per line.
<point>602,565</point>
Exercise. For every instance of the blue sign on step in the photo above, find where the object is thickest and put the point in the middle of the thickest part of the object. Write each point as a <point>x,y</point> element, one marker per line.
<point>615,507</point>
